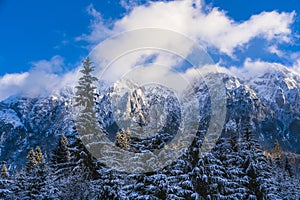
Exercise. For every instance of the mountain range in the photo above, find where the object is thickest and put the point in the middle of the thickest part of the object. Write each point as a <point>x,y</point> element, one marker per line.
<point>269,101</point>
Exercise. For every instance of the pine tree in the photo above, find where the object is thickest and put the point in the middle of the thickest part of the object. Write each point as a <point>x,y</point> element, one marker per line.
<point>20,186</point>
<point>82,173</point>
<point>32,162</point>
<point>180,185</point>
<point>61,154</point>
<point>210,174</point>
<point>288,167</point>
<point>61,169</point>
<point>258,169</point>
<point>5,184</point>
<point>39,156</point>
<point>123,139</point>
<point>157,185</point>
<point>36,174</point>
<point>86,124</point>
<point>277,151</point>
<point>84,170</point>
<point>235,187</point>
<point>4,172</point>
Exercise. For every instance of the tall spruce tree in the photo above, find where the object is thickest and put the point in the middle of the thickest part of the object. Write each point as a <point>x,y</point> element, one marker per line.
<point>60,170</point>
<point>34,181</point>
<point>4,172</point>
<point>86,123</point>
<point>5,184</point>
<point>87,127</point>
<point>32,162</point>
<point>257,168</point>
<point>61,154</point>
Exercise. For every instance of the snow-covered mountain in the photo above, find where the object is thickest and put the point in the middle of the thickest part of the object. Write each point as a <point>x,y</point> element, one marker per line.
<point>269,102</point>
<point>278,88</point>
<point>29,122</point>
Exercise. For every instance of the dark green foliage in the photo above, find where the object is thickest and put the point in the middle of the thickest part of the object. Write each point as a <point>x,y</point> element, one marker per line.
<point>277,152</point>
<point>288,167</point>
<point>235,169</point>
<point>61,153</point>
<point>5,183</point>
<point>86,123</point>
<point>31,184</point>
<point>32,162</point>
<point>4,172</point>
<point>123,139</point>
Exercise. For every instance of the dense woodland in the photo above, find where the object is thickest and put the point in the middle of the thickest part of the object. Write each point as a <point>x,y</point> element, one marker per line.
<point>232,170</point>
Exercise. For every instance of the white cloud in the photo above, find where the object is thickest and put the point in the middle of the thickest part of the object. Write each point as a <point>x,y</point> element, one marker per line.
<point>99,29</point>
<point>54,65</point>
<point>212,28</point>
<point>129,4</point>
<point>296,66</point>
<point>274,49</point>
<point>252,69</point>
<point>13,79</point>
<point>209,27</point>
<point>42,79</point>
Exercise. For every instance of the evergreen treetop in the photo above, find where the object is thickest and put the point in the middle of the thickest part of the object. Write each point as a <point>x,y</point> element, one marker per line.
<point>86,122</point>
<point>61,153</point>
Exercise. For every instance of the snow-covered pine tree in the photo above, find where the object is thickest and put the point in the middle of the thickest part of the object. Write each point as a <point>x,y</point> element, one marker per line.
<point>82,160</point>
<point>60,169</point>
<point>85,166</point>
<point>257,167</point>
<point>288,184</point>
<point>156,185</point>
<point>135,187</point>
<point>123,139</point>
<point>5,183</point>
<point>235,186</point>
<point>209,177</point>
<point>288,167</point>
<point>34,181</point>
<point>86,123</point>
<point>83,171</point>
<point>61,154</point>
<point>20,187</point>
<point>200,179</point>
<point>180,184</point>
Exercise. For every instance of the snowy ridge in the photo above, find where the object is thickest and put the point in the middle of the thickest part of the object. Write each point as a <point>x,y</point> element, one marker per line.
<point>269,100</point>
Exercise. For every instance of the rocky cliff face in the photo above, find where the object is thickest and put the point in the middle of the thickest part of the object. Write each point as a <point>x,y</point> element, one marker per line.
<point>29,122</point>
<point>278,89</point>
<point>268,102</point>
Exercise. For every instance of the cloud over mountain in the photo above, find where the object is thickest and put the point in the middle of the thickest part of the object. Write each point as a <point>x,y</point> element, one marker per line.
<point>40,80</point>
<point>208,26</point>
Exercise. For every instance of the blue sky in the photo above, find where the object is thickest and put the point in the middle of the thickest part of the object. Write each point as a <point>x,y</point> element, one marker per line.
<point>35,30</point>
<point>243,10</point>
<point>57,35</point>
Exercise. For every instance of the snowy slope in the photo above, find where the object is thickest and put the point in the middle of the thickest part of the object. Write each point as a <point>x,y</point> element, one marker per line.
<point>269,102</point>
<point>29,122</point>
